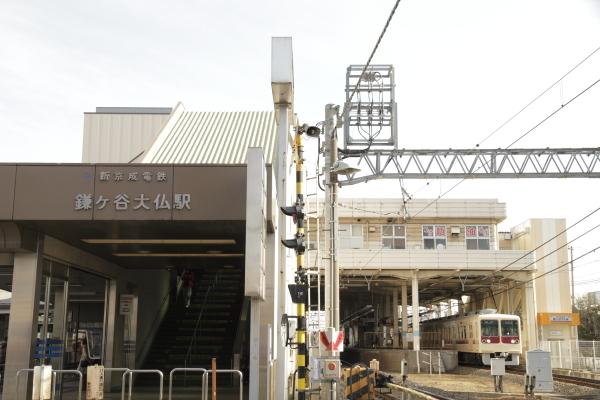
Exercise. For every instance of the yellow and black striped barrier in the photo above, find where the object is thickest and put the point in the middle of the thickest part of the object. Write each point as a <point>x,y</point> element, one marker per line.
<point>360,383</point>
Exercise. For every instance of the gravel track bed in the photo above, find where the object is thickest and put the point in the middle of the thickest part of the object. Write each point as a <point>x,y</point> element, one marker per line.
<point>480,386</point>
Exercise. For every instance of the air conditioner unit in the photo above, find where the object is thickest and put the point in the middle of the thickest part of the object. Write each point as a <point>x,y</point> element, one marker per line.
<point>372,229</point>
<point>455,230</point>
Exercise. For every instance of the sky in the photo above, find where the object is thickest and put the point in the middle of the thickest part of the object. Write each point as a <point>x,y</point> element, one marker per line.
<point>462,68</point>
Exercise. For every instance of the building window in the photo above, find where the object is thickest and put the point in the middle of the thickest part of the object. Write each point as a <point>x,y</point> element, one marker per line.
<point>434,237</point>
<point>477,237</point>
<point>351,236</point>
<point>393,236</point>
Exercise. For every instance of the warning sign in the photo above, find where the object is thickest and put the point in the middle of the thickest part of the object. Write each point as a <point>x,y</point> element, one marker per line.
<point>331,340</point>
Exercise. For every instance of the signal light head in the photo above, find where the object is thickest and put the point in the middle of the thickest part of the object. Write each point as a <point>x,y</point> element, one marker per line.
<point>296,244</point>
<point>289,211</point>
<point>311,131</point>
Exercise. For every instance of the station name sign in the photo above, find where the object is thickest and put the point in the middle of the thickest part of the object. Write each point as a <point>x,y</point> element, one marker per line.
<point>122,192</point>
<point>571,319</point>
<point>138,201</point>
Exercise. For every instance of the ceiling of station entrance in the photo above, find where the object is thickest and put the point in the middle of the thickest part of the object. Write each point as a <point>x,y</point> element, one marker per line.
<point>153,244</point>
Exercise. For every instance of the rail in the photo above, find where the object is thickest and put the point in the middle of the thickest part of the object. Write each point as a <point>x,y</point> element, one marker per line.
<point>140,371</point>
<point>64,372</point>
<point>202,383</point>
<point>583,355</point>
<point>222,371</point>
<point>415,394</point>
<point>18,376</point>
<point>193,339</point>
<point>429,363</point>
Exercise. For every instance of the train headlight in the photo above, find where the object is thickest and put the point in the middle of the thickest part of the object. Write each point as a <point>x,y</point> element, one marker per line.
<point>513,341</point>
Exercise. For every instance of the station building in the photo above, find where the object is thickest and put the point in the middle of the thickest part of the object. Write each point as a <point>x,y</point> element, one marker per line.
<point>90,252</point>
<point>448,258</point>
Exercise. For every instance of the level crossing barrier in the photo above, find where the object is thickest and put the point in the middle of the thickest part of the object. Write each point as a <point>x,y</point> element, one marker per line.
<point>202,379</point>
<point>140,371</point>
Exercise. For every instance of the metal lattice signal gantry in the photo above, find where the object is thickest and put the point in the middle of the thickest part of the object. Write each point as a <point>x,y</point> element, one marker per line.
<point>370,118</point>
<point>474,163</point>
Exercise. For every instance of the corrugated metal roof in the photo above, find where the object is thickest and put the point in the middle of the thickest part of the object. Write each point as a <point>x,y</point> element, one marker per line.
<point>213,137</point>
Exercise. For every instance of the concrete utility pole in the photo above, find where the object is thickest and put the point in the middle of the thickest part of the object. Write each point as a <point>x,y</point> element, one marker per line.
<point>332,275</point>
<point>572,279</point>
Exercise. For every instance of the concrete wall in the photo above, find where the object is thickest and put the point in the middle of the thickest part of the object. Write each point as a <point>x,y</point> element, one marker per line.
<point>152,288</point>
<point>552,291</point>
<point>391,359</point>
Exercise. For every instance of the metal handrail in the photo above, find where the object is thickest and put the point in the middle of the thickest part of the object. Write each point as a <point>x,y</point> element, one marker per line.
<point>193,340</point>
<point>18,375</point>
<point>222,371</point>
<point>140,371</point>
<point>203,370</point>
<point>67,371</point>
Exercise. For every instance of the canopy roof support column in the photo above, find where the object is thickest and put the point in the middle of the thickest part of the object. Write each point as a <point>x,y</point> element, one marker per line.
<point>22,325</point>
<point>415,312</point>
<point>404,316</point>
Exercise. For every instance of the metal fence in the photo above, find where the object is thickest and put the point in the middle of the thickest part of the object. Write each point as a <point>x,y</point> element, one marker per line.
<point>574,354</point>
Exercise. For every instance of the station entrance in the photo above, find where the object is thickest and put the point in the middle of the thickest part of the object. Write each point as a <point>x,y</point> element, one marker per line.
<point>157,287</point>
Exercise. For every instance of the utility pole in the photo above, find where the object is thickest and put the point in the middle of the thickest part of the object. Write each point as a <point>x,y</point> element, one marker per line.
<point>575,331</point>
<point>332,274</point>
<point>572,279</point>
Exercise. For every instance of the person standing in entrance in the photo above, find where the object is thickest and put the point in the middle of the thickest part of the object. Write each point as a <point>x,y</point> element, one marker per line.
<point>188,279</point>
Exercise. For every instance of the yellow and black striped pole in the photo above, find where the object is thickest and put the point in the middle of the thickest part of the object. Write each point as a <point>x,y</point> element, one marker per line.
<point>301,354</point>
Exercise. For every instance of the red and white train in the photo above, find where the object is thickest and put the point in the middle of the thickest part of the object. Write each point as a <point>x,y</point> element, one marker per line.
<point>476,337</point>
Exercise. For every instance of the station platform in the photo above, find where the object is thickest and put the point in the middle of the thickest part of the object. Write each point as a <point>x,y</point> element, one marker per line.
<point>390,359</point>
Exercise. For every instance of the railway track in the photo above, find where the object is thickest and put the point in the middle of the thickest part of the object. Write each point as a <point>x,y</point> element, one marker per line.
<point>417,393</point>
<point>573,380</point>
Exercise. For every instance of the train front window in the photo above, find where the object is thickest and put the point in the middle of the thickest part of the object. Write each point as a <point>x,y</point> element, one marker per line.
<point>489,327</point>
<point>510,328</point>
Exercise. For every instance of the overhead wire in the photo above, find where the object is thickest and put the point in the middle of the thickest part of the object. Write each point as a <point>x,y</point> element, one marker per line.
<point>550,271</point>
<point>536,98</point>
<point>588,215</point>
<point>537,125</point>
<point>384,30</point>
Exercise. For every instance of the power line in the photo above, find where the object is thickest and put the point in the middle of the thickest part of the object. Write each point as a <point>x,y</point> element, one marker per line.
<point>536,98</point>
<point>554,251</point>
<point>538,247</point>
<point>385,27</point>
<point>555,111</point>
<point>555,269</point>
<point>512,144</point>
<point>554,237</point>
<point>544,274</point>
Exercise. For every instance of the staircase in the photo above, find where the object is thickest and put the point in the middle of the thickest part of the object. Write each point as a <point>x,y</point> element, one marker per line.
<point>191,337</point>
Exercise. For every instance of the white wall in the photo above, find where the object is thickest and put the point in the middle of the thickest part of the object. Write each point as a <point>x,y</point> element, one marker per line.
<point>120,135</point>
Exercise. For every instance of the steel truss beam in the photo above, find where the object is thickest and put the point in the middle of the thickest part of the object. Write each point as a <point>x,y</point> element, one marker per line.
<point>478,163</point>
